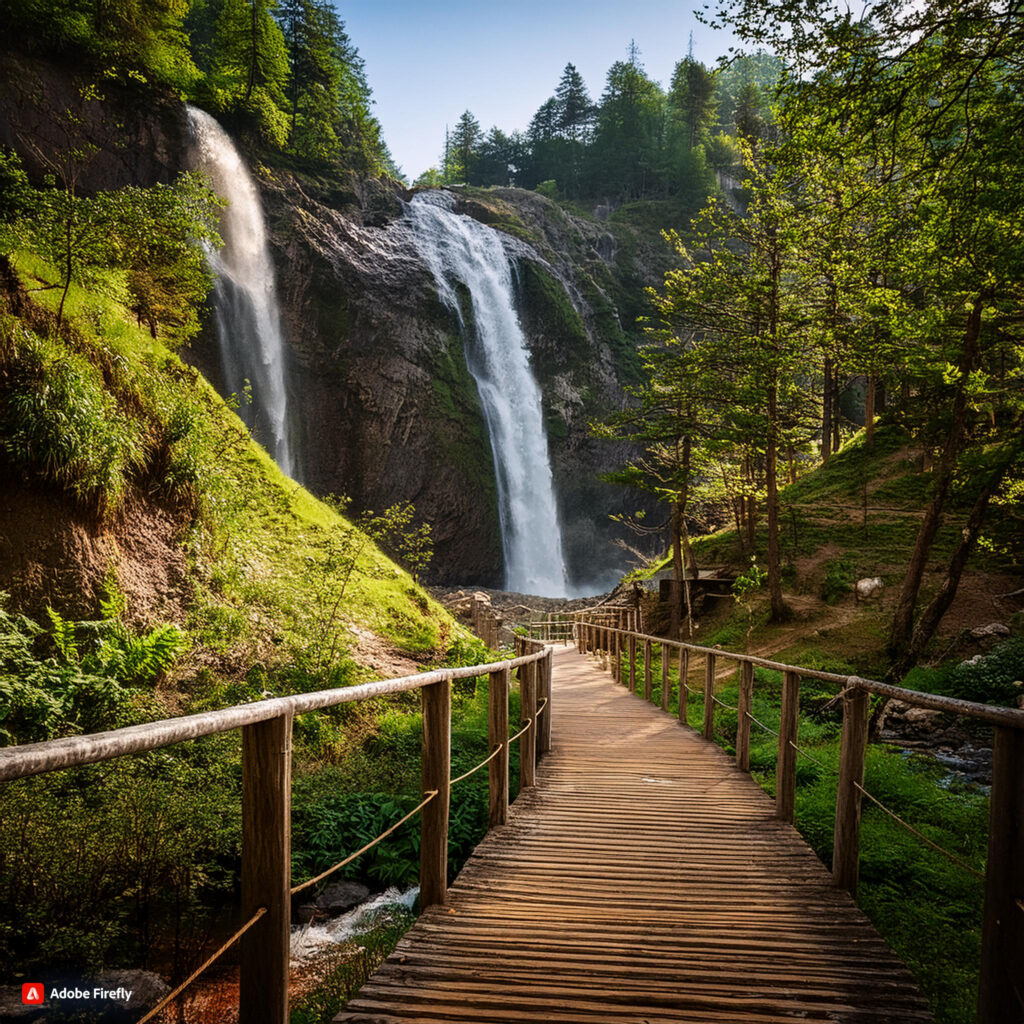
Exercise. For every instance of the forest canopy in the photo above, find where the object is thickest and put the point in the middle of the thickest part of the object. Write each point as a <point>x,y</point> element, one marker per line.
<point>283,72</point>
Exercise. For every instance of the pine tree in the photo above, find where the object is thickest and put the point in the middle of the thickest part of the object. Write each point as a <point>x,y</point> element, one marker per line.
<point>464,142</point>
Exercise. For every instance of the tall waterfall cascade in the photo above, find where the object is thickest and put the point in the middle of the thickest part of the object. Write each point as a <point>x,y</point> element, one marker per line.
<point>460,250</point>
<point>245,293</point>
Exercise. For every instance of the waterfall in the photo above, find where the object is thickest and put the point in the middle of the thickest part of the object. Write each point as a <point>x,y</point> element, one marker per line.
<point>460,250</point>
<point>245,296</point>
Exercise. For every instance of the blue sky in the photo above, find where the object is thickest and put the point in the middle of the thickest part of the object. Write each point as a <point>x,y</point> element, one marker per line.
<point>426,63</point>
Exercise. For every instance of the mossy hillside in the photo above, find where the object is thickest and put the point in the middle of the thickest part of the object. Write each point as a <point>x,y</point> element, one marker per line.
<point>829,540</point>
<point>254,537</point>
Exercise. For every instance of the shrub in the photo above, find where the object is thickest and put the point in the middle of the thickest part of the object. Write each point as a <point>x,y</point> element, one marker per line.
<point>59,424</point>
<point>839,579</point>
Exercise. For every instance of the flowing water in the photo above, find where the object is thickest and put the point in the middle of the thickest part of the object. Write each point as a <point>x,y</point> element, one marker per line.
<point>245,294</point>
<point>460,250</point>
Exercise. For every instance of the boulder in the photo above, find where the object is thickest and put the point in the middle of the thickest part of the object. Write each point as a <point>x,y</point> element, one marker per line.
<point>993,629</point>
<point>341,896</point>
<point>868,588</point>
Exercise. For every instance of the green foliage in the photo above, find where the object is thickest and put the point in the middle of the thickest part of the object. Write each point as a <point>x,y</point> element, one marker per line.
<point>840,574</point>
<point>394,531</point>
<point>95,679</point>
<point>113,863</point>
<point>61,424</point>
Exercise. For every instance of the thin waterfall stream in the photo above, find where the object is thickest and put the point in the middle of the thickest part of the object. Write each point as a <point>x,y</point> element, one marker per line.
<point>245,293</point>
<point>460,250</point>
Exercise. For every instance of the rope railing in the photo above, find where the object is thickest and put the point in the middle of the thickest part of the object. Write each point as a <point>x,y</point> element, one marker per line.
<point>172,995</point>
<point>369,846</point>
<point>920,835</point>
<point>1003,924</point>
<point>266,728</point>
<point>483,764</point>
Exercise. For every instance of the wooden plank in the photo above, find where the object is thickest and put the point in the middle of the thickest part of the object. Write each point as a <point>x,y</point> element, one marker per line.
<point>1001,984</point>
<point>436,775</point>
<point>266,869</point>
<point>645,878</point>
<point>852,753</point>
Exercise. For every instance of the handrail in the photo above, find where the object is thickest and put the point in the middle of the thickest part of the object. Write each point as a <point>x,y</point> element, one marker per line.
<point>72,751</point>
<point>266,794</point>
<point>1003,922</point>
<point>1012,717</point>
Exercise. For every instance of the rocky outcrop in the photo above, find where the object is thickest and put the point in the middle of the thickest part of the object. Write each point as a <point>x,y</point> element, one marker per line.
<point>383,408</point>
<point>122,135</point>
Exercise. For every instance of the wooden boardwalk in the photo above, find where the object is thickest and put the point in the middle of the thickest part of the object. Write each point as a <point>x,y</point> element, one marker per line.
<point>645,879</point>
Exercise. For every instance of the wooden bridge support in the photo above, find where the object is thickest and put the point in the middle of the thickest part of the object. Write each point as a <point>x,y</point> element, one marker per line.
<point>632,664</point>
<point>852,752</point>
<point>785,769</point>
<point>1001,984</point>
<point>528,741</point>
<point>647,670</point>
<point>665,665</point>
<point>497,732</point>
<point>266,869</point>
<point>436,775</point>
<point>743,712</point>
<point>544,693</point>
<point>709,697</point>
<point>684,679</point>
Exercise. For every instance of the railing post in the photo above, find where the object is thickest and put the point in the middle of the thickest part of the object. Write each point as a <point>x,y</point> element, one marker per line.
<point>1000,987</point>
<point>266,869</point>
<point>606,638</point>
<point>743,706</point>
<point>684,678</point>
<point>785,768</point>
<point>709,697</point>
<point>632,663</point>
<point>852,751</point>
<point>544,691</point>
<point>647,670</point>
<point>497,732</point>
<point>436,774</point>
<point>617,657</point>
<point>528,741</point>
<point>664,676</point>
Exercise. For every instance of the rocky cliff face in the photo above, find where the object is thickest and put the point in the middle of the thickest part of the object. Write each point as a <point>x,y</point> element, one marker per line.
<point>383,408</point>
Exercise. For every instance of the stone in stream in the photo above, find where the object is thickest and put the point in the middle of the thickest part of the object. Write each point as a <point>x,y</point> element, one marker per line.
<point>341,896</point>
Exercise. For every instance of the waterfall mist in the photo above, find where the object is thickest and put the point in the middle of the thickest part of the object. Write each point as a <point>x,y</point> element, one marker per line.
<point>460,250</point>
<point>245,294</point>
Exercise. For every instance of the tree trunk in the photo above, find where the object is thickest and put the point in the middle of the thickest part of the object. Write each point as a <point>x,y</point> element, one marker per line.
<point>778,606</point>
<point>901,631</point>
<point>930,618</point>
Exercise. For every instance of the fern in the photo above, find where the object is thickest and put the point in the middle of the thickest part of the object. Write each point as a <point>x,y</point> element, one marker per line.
<point>62,632</point>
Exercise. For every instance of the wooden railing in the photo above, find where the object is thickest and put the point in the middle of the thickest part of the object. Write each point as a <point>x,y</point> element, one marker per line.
<point>266,793</point>
<point>1001,982</point>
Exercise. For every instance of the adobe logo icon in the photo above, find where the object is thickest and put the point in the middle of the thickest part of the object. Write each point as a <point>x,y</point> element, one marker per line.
<point>32,993</point>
